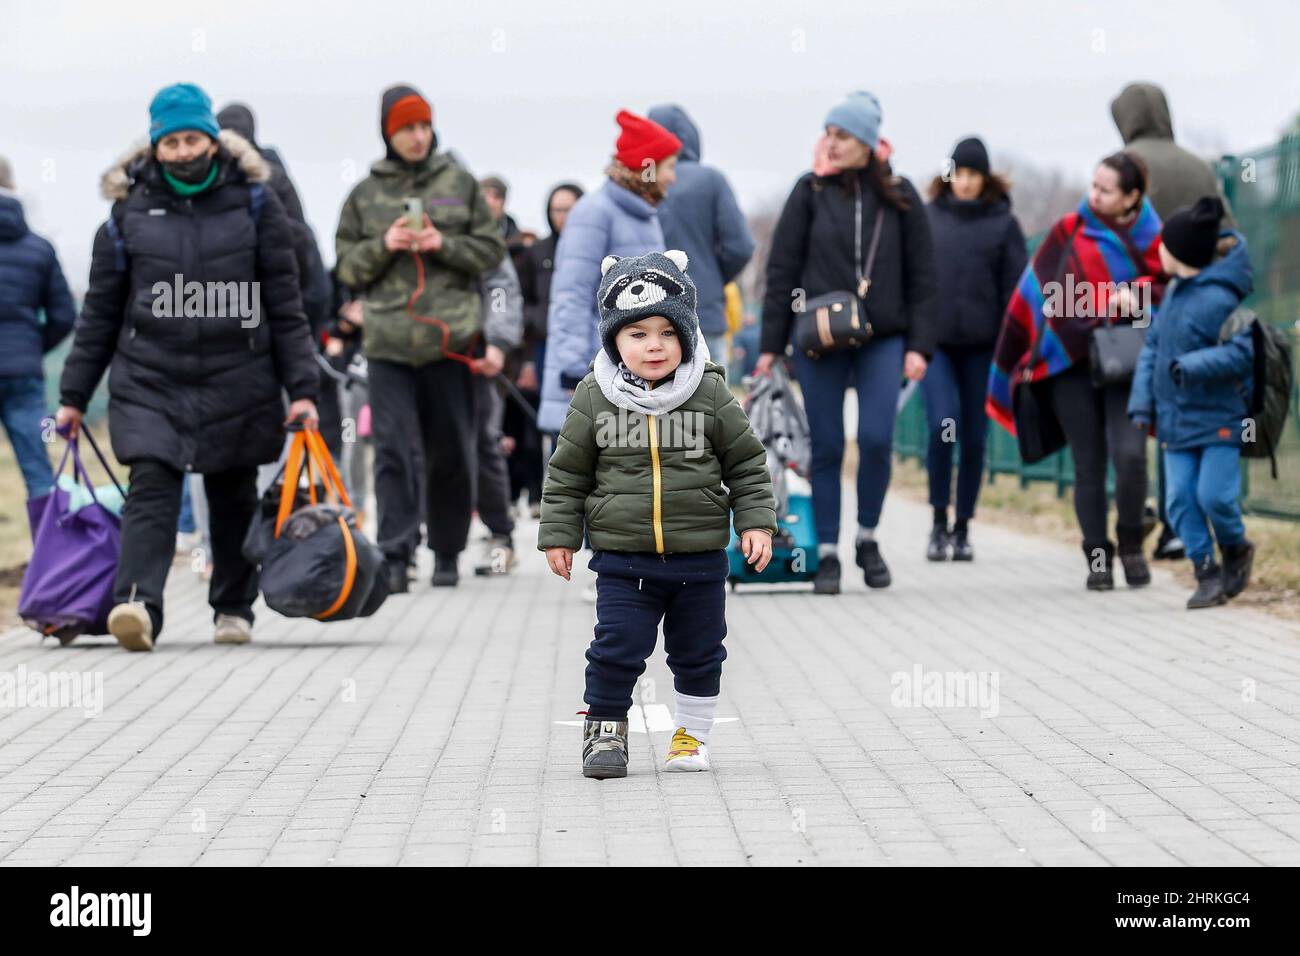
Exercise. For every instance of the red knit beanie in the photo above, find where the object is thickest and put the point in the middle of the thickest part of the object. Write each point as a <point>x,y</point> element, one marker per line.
<point>412,108</point>
<point>643,139</point>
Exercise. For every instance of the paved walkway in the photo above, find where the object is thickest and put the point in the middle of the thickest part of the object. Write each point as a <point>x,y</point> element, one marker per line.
<point>1111,729</point>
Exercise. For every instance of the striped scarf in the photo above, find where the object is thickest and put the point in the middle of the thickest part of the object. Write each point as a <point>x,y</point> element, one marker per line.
<point>1099,253</point>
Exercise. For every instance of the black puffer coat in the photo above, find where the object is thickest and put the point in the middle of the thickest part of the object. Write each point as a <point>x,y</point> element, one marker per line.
<point>813,250</point>
<point>201,392</point>
<point>979,254</point>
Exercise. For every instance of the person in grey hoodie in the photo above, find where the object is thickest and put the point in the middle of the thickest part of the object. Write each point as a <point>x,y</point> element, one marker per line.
<point>701,217</point>
<point>1175,178</point>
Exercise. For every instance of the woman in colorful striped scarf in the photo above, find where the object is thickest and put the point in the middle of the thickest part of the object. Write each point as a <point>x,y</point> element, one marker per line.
<point>1100,260</point>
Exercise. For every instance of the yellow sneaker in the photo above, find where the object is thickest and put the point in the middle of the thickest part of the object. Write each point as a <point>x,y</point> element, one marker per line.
<point>686,753</point>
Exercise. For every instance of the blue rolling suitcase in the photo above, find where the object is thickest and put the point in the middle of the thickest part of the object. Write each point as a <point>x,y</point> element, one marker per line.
<point>794,549</point>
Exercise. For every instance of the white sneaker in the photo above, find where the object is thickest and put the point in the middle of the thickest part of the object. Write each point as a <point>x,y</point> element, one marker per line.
<point>498,557</point>
<point>686,754</point>
<point>232,629</point>
<point>131,625</point>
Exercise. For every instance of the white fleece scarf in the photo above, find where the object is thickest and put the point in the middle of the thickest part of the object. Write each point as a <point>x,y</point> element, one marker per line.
<point>628,390</point>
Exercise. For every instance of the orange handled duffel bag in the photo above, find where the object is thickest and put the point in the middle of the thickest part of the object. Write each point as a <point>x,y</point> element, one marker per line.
<point>315,561</point>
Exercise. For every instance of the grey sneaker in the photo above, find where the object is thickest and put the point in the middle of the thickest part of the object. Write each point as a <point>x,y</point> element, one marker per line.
<point>604,748</point>
<point>232,629</point>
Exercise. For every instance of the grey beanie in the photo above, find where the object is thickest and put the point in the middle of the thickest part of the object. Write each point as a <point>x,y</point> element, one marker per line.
<point>859,113</point>
<point>636,287</point>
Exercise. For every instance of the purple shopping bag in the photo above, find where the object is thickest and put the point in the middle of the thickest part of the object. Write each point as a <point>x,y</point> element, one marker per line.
<point>68,587</point>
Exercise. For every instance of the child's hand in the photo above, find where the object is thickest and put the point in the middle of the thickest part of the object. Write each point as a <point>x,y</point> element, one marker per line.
<point>756,546</point>
<point>560,560</point>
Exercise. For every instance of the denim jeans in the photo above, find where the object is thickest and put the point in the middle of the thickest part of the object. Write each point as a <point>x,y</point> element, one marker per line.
<point>1204,484</point>
<point>22,407</point>
<point>954,386</point>
<point>877,372</point>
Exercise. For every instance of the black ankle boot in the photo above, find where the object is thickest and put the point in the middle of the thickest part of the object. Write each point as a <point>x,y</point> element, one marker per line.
<point>937,550</point>
<point>827,580</point>
<point>874,570</point>
<point>1209,585</point>
<point>1101,559</point>
<point>1237,561</point>
<point>445,572</point>
<point>397,581</point>
<point>1136,572</point>
<point>961,549</point>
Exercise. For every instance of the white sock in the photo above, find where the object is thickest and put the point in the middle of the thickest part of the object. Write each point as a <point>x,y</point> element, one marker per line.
<point>695,715</point>
<point>828,550</point>
<point>866,534</point>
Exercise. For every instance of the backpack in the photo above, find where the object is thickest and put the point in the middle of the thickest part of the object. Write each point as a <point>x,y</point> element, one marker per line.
<point>1274,378</point>
<point>256,200</point>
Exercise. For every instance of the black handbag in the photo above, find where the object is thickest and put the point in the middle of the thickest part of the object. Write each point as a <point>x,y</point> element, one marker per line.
<point>1113,350</point>
<point>1038,430</point>
<point>838,320</point>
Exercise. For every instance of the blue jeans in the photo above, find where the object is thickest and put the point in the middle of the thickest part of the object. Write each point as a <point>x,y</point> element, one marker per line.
<point>22,407</point>
<point>1204,484</point>
<point>877,371</point>
<point>954,387</point>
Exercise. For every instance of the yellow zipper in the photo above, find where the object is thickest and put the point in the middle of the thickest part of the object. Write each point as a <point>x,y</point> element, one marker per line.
<point>658,482</point>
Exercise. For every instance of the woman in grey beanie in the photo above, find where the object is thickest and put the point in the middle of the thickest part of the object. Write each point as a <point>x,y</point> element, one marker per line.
<point>821,246</point>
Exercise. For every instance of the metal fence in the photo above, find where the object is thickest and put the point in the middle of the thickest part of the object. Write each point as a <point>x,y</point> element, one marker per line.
<point>1264,190</point>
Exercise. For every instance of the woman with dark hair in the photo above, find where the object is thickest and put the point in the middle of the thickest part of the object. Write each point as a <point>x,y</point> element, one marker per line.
<point>979,252</point>
<point>862,230</point>
<point>1098,264</point>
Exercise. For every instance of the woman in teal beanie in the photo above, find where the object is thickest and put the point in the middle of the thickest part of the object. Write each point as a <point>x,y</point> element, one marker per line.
<point>195,385</point>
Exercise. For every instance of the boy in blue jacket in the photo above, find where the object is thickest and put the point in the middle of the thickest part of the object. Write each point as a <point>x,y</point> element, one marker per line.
<point>1196,389</point>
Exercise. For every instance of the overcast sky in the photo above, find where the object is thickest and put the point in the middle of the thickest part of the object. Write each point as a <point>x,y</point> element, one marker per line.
<point>529,90</point>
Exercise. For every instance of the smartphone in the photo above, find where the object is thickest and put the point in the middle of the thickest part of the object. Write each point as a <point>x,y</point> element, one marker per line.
<point>414,213</point>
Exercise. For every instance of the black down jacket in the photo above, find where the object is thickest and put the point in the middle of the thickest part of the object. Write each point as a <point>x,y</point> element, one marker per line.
<point>195,383</point>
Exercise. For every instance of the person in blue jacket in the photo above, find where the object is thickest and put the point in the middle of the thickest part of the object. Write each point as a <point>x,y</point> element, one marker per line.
<point>36,314</point>
<point>1196,389</point>
<point>620,218</point>
<point>702,218</point>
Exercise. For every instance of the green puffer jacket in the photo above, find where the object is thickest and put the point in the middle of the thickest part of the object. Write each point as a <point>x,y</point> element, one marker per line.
<point>471,244</point>
<point>655,482</point>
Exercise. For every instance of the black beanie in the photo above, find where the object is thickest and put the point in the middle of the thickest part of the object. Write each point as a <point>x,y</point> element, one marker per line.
<point>391,96</point>
<point>970,153</point>
<point>1192,232</point>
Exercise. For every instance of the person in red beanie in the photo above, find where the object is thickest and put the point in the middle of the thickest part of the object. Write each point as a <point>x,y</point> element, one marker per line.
<point>621,219</point>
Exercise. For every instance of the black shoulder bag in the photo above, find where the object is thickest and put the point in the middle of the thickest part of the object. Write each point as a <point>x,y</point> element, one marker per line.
<point>838,320</point>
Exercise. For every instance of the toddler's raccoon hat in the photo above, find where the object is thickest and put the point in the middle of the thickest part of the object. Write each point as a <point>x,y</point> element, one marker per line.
<point>635,287</point>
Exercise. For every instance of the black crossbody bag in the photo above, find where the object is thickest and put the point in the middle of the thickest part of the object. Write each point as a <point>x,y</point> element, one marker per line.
<point>838,320</point>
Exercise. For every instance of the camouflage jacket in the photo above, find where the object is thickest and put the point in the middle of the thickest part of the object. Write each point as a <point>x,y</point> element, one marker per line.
<point>386,280</point>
